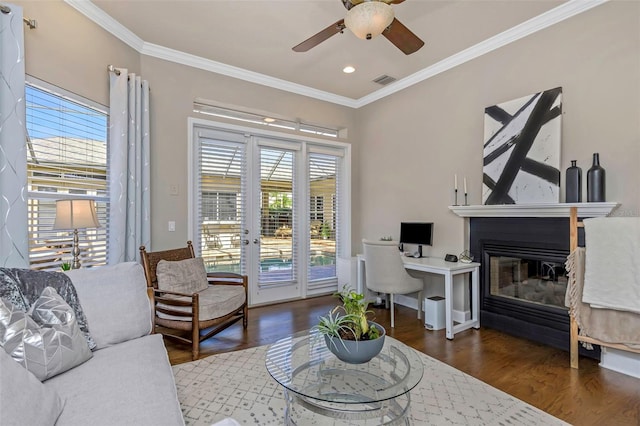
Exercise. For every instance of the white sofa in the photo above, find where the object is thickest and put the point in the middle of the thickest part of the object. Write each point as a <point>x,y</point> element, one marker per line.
<point>127,381</point>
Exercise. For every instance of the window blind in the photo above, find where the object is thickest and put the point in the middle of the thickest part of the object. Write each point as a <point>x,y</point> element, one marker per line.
<point>66,158</point>
<point>323,186</point>
<point>221,200</point>
<point>278,246</point>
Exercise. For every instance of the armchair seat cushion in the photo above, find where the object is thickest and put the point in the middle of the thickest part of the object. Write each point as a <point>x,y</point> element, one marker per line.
<point>215,301</point>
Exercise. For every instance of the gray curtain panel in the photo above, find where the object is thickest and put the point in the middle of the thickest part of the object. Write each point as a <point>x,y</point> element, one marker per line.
<point>14,245</point>
<point>129,185</point>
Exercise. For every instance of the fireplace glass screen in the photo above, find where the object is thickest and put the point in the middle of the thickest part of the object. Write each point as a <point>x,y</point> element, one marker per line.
<point>535,281</point>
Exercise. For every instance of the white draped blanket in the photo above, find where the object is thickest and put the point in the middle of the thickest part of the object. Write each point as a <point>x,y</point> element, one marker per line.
<point>612,265</point>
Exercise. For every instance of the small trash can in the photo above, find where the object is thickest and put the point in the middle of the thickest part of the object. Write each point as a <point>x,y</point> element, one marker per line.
<point>434,313</point>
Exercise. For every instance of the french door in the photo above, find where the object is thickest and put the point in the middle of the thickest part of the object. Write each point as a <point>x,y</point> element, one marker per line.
<point>276,197</point>
<point>268,207</point>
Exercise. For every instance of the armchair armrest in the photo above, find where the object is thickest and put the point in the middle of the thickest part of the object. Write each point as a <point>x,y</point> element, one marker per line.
<point>180,299</point>
<point>226,278</point>
<point>159,293</point>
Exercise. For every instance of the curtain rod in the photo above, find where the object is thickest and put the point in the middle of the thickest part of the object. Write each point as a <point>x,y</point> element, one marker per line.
<point>113,69</point>
<point>116,71</point>
<point>31,23</point>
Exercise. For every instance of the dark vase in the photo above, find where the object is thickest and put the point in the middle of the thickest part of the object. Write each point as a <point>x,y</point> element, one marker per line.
<point>596,181</point>
<point>573,190</point>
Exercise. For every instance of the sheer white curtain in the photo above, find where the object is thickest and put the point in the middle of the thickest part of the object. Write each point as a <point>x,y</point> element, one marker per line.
<point>129,186</point>
<point>14,245</point>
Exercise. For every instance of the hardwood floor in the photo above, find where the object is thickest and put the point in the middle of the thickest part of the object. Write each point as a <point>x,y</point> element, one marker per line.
<point>534,373</point>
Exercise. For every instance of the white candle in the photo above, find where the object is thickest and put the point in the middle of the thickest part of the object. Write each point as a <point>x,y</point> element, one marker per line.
<point>455,182</point>
<point>465,185</point>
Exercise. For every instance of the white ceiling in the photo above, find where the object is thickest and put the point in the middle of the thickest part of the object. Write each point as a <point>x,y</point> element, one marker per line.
<point>252,40</point>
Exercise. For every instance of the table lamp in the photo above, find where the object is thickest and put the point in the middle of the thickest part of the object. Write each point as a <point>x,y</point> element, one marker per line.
<point>74,214</point>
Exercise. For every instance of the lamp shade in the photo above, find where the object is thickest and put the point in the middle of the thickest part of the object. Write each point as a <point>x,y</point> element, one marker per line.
<point>74,214</point>
<point>369,19</point>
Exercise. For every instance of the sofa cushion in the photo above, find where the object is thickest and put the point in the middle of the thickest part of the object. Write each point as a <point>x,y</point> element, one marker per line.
<point>114,299</point>
<point>215,301</point>
<point>47,340</point>
<point>130,383</point>
<point>183,276</point>
<point>23,399</point>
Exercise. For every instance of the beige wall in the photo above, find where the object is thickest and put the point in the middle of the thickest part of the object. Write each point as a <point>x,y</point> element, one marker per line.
<point>70,51</point>
<point>173,90</point>
<point>426,133</point>
<point>419,137</point>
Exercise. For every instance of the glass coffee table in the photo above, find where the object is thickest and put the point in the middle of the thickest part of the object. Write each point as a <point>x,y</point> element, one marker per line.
<point>317,383</point>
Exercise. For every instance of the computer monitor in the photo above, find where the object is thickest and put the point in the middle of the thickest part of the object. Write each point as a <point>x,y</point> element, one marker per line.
<point>420,233</point>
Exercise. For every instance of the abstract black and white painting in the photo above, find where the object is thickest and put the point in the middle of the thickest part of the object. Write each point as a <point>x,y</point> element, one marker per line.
<point>522,150</point>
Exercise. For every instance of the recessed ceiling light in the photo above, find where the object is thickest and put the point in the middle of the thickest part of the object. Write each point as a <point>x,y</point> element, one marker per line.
<point>348,69</point>
<point>269,120</point>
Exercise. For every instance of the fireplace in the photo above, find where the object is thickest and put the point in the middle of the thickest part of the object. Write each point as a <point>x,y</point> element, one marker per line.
<point>525,275</point>
<point>523,280</point>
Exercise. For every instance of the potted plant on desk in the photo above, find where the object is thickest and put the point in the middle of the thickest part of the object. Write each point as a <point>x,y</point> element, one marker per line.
<point>348,332</point>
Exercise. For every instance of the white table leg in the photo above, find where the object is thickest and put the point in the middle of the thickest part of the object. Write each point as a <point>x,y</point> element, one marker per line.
<point>448,302</point>
<point>475,298</point>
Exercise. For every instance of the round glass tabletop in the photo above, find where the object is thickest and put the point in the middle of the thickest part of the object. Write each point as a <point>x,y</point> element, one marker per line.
<point>304,365</point>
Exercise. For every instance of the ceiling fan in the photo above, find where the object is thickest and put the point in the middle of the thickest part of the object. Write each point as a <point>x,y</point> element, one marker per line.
<point>367,19</point>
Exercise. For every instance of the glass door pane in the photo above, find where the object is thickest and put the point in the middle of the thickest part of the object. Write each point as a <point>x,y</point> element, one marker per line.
<point>222,199</point>
<point>322,184</point>
<point>277,224</point>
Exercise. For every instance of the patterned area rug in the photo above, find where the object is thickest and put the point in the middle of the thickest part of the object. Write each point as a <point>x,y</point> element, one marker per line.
<point>237,385</point>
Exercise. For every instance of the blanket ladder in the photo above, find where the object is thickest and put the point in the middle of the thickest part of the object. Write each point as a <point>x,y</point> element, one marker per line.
<point>574,224</point>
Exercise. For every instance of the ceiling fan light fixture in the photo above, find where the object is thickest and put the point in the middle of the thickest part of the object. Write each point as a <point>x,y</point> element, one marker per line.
<point>369,19</point>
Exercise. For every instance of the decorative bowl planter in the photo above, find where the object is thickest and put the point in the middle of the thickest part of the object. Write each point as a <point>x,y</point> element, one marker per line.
<point>356,351</point>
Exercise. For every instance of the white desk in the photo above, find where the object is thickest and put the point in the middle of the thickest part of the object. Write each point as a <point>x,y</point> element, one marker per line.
<point>437,266</point>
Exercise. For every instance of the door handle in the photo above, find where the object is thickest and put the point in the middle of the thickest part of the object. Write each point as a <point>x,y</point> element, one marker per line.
<point>245,242</point>
<point>256,241</point>
<point>246,231</point>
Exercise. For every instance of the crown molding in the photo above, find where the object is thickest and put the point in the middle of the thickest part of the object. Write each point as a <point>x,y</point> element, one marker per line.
<point>199,62</point>
<point>533,25</point>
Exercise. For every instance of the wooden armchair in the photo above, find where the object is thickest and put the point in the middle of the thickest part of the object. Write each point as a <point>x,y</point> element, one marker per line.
<point>213,309</point>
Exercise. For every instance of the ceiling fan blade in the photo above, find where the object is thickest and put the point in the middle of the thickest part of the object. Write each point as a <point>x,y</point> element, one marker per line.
<point>315,40</point>
<point>402,37</point>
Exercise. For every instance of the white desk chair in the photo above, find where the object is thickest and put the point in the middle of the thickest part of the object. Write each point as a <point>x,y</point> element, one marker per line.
<point>385,272</point>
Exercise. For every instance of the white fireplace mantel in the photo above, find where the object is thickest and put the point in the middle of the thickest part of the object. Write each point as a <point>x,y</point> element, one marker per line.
<point>535,210</point>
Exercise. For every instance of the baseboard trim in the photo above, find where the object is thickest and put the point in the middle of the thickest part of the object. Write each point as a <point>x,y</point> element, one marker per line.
<point>623,362</point>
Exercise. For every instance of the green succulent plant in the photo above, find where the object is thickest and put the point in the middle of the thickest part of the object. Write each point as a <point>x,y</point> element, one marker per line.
<point>350,320</point>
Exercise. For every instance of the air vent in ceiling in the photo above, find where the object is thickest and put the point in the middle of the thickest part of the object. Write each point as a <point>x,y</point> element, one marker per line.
<point>384,80</point>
